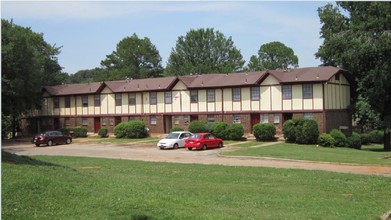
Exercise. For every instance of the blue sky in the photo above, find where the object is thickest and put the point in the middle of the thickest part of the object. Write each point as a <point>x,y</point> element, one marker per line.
<point>90,30</point>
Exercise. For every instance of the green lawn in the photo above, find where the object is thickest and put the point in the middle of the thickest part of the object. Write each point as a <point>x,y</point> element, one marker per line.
<point>371,154</point>
<point>44,187</point>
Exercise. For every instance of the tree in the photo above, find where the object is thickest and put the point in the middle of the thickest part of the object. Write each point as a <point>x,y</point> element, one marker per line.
<point>272,56</point>
<point>134,58</point>
<point>28,63</point>
<point>359,39</point>
<point>89,75</point>
<point>204,51</point>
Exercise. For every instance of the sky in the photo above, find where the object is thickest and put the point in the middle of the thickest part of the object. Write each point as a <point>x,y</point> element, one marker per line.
<point>87,31</point>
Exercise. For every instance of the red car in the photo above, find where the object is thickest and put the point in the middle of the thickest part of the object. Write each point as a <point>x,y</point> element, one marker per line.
<point>203,141</point>
<point>50,138</point>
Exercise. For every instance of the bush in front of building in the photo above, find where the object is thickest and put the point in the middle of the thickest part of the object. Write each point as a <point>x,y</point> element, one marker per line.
<point>74,131</point>
<point>103,132</point>
<point>220,130</point>
<point>307,132</point>
<point>355,141</point>
<point>176,129</point>
<point>235,132</point>
<point>365,139</point>
<point>264,132</point>
<point>376,136</point>
<point>131,129</point>
<point>326,140</point>
<point>197,127</point>
<point>288,129</point>
<point>340,138</point>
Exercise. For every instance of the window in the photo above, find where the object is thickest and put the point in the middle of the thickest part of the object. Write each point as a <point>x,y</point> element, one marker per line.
<point>211,118</point>
<point>265,118</point>
<point>337,76</point>
<point>236,94</point>
<point>186,119</point>
<point>168,97</point>
<point>193,96</point>
<point>56,102</point>
<point>236,119</point>
<point>118,99</point>
<point>176,120</point>
<point>104,121</point>
<point>84,101</point>
<point>84,121</point>
<point>307,91</point>
<point>132,98</point>
<point>210,95</point>
<point>152,98</point>
<point>152,120</point>
<point>67,122</point>
<point>111,121</point>
<point>286,92</point>
<point>67,101</point>
<point>96,100</point>
<point>255,93</point>
<point>276,118</point>
<point>131,118</point>
<point>308,115</point>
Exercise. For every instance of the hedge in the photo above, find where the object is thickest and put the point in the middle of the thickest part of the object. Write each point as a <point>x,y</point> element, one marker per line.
<point>264,132</point>
<point>340,138</point>
<point>301,131</point>
<point>131,129</point>
<point>326,140</point>
<point>77,131</point>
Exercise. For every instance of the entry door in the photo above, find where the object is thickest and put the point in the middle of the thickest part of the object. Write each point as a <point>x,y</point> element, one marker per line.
<point>286,117</point>
<point>193,118</point>
<point>255,119</point>
<point>56,123</point>
<point>167,123</point>
<point>97,125</point>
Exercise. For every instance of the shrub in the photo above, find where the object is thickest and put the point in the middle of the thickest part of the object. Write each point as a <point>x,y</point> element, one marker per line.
<point>365,139</point>
<point>235,132</point>
<point>176,129</point>
<point>376,136</point>
<point>264,132</point>
<point>288,129</point>
<point>209,126</point>
<point>103,132</point>
<point>355,141</point>
<point>307,132</point>
<point>340,138</point>
<point>220,130</point>
<point>197,127</point>
<point>326,140</point>
<point>131,129</point>
<point>75,131</point>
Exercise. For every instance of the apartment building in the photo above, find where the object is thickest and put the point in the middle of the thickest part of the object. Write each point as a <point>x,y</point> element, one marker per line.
<point>272,96</point>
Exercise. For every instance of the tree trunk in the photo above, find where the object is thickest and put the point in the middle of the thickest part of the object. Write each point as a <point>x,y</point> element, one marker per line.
<point>387,140</point>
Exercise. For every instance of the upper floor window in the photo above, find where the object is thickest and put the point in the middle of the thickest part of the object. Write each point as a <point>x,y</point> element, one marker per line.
<point>67,101</point>
<point>153,98</point>
<point>236,96</point>
<point>132,98</point>
<point>286,91</point>
<point>84,101</point>
<point>255,93</point>
<point>168,97</point>
<point>210,95</point>
<point>118,99</point>
<point>96,100</point>
<point>307,91</point>
<point>56,102</point>
<point>193,96</point>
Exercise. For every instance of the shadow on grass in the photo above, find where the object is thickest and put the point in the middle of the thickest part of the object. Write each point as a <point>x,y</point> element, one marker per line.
<point>16,159</point>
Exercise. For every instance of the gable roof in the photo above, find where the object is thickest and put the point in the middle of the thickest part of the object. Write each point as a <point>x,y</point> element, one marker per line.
<point>74,89</point>
<point>223,80</point>
<point>134,85</point>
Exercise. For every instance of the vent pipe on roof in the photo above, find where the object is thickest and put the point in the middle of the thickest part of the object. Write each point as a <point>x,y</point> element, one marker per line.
<point>296,78</point>
<point>245,81</point>
<point>159,86</point>
<point>138,86</point>
<point>317,76</point>
<point>202,83</point>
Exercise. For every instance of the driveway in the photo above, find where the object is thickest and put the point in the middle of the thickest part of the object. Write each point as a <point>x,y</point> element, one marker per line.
<point>148,152</point>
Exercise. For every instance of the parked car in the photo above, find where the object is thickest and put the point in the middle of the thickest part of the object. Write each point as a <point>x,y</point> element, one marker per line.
<point>174,140</point>
<point>51,138</point>
<point>203,141</point>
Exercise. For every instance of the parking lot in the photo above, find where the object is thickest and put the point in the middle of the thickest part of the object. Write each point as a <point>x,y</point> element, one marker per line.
<point>149,152</point>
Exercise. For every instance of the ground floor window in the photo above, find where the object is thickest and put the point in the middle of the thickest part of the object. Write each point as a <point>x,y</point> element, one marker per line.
<point>211,118</point>
<point>308,115</point>
<point>176,120</point>
<point>276,118</point>
<point>186,119</point>
<point>84,121</point>
<point>265,118</point>
<point>236,119</point>
<point>152,120</point>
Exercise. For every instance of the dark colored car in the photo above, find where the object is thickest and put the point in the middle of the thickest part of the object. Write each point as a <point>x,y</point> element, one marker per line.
<point>51,138</point>
<point>203,141</point>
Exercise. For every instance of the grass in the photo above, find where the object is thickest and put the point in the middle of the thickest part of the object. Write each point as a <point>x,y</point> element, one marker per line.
<point>44,187</point>
<point>371,154</point>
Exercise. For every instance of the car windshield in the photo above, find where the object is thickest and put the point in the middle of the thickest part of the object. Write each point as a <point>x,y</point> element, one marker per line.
<point>172,136</point>
<point>196,136</point>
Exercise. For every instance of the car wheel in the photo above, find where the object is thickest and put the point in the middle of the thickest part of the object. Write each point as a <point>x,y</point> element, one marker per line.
<point>204,147</point>
<point>68,141</point>
<point>175,146</point>
<point>190,148</point>
<point>220,145</point>
<point>37,145</point>
<point>50,143</point>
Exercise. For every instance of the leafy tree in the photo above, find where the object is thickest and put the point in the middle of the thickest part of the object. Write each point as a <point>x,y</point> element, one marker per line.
<point>357,37</point>
<point>366,117</point>
<point>89,75</point>
<point>204,51</point>
<point>272,56</point>
<point>27,64</point>
<point>134,58</point>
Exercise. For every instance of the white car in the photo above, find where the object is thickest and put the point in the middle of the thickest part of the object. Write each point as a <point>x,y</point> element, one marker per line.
<point>174,140</point>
